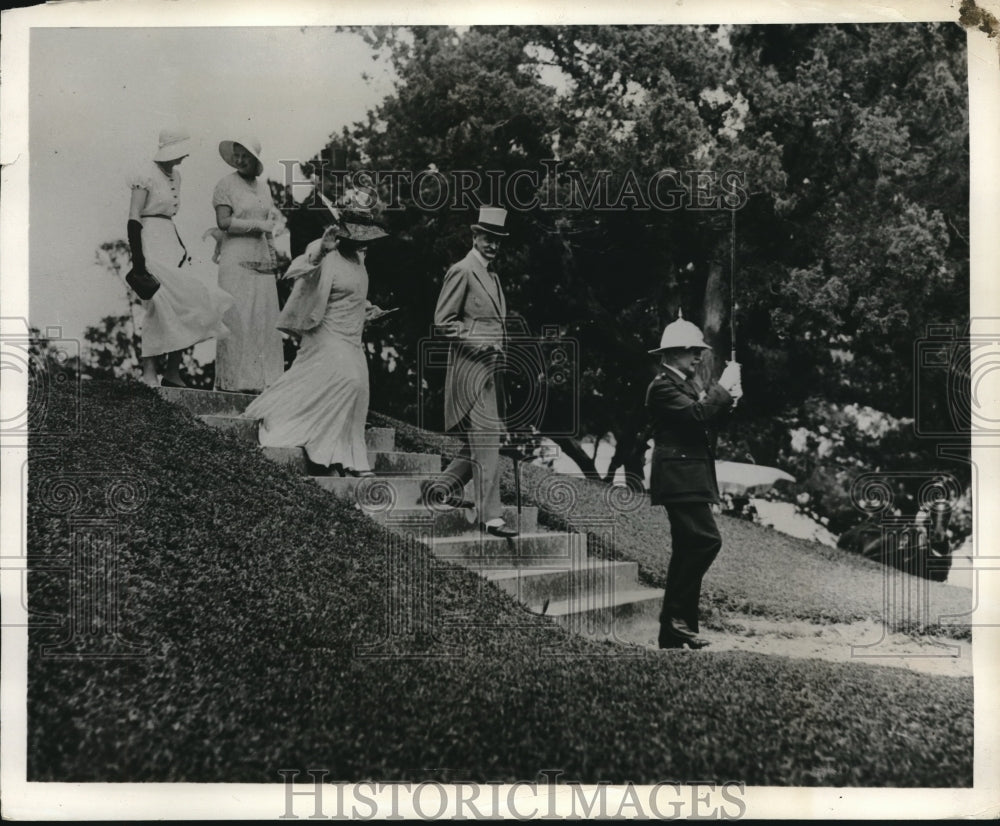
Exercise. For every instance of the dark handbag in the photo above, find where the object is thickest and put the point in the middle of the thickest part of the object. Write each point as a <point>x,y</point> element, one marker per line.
<point>144,284</point>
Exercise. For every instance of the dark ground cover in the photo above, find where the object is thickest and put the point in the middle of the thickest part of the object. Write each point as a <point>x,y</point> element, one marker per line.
<point>258,598</point>
<point>759,570</point>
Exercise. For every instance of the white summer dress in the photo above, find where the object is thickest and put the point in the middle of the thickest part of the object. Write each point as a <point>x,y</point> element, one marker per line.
<point>188,307</point>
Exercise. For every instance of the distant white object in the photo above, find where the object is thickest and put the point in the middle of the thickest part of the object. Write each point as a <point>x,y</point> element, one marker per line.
<point>784,517</point>
<point>740,477</point>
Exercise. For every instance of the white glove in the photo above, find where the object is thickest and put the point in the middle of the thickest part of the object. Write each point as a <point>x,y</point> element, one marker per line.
<point>730,377</point>
<point>249,226</point>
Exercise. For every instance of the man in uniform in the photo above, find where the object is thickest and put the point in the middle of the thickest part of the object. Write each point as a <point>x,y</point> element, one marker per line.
<point>471,312</point>
<point>682,476</point>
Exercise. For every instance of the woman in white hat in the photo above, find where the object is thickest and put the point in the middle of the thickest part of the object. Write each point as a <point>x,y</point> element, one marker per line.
<point>184,309</point>
<point>252,357</point>
<point>321,403</point>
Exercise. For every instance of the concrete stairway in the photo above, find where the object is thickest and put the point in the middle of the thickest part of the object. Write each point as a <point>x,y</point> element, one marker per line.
<point>548,572</point>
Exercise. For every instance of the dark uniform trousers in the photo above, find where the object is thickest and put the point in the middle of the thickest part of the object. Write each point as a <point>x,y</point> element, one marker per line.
<point>682,479</point>
<point>695,543</point>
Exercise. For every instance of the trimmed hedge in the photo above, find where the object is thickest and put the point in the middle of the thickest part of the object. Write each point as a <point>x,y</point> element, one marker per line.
<point>759,571</point>
<point>257,596</point>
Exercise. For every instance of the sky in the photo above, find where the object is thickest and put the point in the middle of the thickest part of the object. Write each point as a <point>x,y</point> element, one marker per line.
<point>98,99</point>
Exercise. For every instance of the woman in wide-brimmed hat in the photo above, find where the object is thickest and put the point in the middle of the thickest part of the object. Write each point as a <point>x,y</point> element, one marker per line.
<point>321,403</point>
<point>252,357</point>
<point>187,307</point>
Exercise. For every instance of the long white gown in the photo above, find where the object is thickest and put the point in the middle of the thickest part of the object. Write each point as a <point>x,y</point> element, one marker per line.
<point>252,357</point>
<point>321,403</point>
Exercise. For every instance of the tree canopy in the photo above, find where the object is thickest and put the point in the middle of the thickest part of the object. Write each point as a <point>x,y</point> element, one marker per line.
<point>805,187</point>
<point>837,153</point>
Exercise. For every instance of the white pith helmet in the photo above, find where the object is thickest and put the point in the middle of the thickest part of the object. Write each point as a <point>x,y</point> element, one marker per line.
<point>680,334</point>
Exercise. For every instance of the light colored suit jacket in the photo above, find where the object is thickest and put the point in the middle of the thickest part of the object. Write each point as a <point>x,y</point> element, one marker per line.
<point>473,310</point>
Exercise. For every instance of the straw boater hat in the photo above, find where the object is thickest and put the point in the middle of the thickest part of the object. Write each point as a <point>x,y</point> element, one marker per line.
<point>492,220</point>
<point>252,145</point>
<point>174,144</point>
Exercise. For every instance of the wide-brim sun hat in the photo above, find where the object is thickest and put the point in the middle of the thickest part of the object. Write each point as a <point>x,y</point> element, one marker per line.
<point>355,221</point>
<point>681,335</point>
<point>174,144</point>
<point>359,226</point>
<point>492,221</point>
<point>250,144</point>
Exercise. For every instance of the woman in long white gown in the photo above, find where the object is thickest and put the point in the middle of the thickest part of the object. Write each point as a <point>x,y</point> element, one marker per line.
<point>187,308</point>
<point>321,402</point>
<point>252,357</point>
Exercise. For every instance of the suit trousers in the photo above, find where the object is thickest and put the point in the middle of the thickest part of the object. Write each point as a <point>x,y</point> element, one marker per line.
<point>695,543</point>
<point>479,458</point>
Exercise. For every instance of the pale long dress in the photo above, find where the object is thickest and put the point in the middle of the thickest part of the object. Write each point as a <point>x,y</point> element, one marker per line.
<point>252,357</point>
<point>188,307</point>
<point>321,403</point>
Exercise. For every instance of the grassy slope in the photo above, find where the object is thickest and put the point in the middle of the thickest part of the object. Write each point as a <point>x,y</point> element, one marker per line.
<point>759,571</point>
<point>253,590</point>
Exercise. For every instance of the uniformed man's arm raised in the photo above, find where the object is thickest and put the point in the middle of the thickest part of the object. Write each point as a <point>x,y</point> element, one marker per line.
<point>667,401</point>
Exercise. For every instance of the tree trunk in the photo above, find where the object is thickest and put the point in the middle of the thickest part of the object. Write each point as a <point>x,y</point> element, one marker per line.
<point>574,450</point>
<point>715,314</point>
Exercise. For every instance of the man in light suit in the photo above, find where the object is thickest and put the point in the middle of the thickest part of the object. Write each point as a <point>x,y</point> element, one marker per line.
<point>471,312</point>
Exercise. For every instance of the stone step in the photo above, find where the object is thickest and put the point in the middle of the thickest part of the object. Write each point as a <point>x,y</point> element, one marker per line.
<point>381,439</point>
<point>535,585</point>
<point>454,522</point>
<point>211,402</point>
<point>374,495</point>
<point>481,552</point>
<point>601,613</point>
<point>383,463</point>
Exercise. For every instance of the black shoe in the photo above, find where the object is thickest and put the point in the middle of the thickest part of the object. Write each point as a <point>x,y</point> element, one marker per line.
<point>168,383</point>
<point>678,634</point>
<point>499,530</point>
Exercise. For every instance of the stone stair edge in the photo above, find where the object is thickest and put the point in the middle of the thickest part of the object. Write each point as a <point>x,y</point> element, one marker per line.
<point>228,414</point>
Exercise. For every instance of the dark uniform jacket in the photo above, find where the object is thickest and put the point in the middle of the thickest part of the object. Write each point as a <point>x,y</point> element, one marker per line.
<point>683,467</point>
